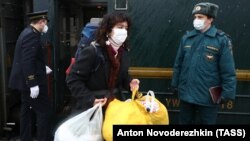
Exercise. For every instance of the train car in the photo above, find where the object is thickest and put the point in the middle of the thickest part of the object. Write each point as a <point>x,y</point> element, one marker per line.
<point>67,19</point>
<point>156,32</point>
<point>157,29</point>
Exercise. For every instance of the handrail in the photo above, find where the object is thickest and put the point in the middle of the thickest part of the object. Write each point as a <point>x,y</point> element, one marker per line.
<point>166,73</point>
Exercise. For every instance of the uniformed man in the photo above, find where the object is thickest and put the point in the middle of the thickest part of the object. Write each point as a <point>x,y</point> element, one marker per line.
<point>204,60</point>
<point>28,75</point>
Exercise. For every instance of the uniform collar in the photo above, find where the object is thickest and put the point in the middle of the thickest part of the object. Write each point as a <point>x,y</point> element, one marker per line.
<point>192,33</point>
<point>210,32</point>
<point>34,29</point>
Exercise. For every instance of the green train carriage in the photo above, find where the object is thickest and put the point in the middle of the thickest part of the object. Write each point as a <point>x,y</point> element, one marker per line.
<point>157,28</point>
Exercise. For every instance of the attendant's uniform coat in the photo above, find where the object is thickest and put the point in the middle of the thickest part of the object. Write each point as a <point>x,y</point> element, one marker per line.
<point>207,64</point>
<point>29,70</point>
<point>28,67</point>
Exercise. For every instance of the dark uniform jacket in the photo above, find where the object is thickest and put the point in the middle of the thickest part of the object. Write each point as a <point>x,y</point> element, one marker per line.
<point>28,67</point>
<point>83,82</point>
<point>204,60</point>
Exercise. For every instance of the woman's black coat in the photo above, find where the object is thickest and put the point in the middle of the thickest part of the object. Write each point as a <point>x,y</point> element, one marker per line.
<point>83,82</point>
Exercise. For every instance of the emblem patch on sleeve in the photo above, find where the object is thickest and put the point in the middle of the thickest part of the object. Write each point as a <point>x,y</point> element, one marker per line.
<point>209,57</point>
<point>31,77</point>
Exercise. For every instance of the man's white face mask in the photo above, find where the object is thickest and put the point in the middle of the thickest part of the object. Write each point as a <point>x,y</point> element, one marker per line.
<point>119,35</point>
<point>199,24</point>
<point>45,29</point>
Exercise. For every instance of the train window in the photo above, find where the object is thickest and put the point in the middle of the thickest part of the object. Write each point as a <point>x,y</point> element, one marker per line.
<point>121,4</point>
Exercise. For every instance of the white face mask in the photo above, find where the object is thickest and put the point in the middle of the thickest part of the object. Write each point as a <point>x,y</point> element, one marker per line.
<point>119,36</point>
<point>45,29</point>
<point>199,24</point>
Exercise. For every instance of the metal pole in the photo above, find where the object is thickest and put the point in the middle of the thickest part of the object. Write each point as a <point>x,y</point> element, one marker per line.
<point>3,74</point>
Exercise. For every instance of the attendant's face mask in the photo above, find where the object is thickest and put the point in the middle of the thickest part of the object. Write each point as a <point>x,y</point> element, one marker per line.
<point>199,24</point>
<point>119,35</point>
<point>45,29</point>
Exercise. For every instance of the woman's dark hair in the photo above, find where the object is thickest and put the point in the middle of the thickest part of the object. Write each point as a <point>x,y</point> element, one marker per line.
<point>108,22</point>
<point>105,28</point>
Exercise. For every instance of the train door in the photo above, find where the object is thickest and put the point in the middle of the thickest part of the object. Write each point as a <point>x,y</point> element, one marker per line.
<point>72,15</point>
<point>12,22</point>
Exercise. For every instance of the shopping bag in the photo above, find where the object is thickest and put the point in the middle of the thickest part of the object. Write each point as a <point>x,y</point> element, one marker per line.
<point>157,111</point>
<point>86,126</point>
<point>133,111</point>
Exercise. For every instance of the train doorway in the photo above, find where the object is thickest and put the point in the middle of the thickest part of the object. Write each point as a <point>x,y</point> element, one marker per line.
<point>12,22</point>
<point>72,17</point>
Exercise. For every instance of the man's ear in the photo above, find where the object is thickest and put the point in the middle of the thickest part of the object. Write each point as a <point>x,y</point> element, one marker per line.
<point>41,21</point>
<point>210,19</point>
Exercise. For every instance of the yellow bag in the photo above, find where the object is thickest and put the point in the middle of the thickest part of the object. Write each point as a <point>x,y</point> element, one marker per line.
<point>133,112</point>
<point>156,110</point>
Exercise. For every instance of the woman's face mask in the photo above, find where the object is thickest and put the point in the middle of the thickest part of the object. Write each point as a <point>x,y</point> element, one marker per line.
<point>199,24</point>
<point>119,35</point>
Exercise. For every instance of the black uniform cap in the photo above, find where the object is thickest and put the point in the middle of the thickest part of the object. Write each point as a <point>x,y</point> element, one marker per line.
<point>206,8</point>
<point>38,15</point>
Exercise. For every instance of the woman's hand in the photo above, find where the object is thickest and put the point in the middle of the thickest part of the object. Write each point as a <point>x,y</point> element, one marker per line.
<point>101,100</point>
<point>134,85</point>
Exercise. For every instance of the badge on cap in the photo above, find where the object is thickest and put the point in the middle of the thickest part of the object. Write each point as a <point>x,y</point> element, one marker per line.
<point>197,8</point>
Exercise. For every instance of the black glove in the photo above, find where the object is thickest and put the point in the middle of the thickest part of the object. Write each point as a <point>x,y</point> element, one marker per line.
<point>223,100</point>
<point>174,90</point>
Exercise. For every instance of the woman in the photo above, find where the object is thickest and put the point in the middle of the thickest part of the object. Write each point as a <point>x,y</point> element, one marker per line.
<point>90,87</point>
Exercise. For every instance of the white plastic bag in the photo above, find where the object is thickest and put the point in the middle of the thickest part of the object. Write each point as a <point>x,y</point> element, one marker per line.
<point>82,127</point>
